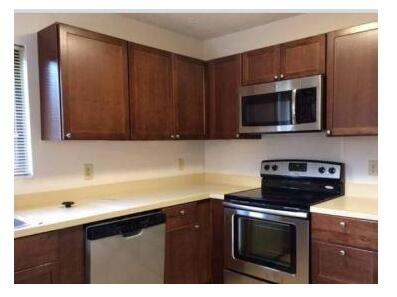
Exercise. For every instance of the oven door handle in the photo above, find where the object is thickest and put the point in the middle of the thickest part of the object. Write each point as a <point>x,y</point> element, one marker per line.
<point>295,214</point>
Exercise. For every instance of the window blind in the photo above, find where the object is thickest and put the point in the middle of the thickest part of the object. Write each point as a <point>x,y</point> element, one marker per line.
<point>22,158</point>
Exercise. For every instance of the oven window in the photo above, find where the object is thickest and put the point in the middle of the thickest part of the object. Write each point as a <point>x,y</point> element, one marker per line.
<point>266,109</point>
<point>306,105</point>
<point>267,243</point>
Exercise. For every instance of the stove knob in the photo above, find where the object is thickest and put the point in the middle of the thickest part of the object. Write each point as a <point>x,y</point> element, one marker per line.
<point>267,167</point>
<point>321,170</point>
<point>331,170</point>
<point>274,167</point>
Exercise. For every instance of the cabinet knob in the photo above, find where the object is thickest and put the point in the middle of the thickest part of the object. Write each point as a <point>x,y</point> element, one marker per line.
<point>275,77</point>
<point>328,132</point>
<point>182,212</point>
<point>237,135</point>
<point>281,76</point>
<point>196,226</point>
<point>342,252</point>
<point>342,224</point>
<point>172,136</point>
<point>68,135</point>
<point>177,136</point>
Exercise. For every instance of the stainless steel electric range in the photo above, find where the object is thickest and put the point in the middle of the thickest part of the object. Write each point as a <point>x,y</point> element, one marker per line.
<point>267,229</point>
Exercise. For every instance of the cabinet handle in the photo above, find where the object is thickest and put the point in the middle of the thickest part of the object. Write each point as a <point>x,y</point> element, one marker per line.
<point>196,226</point>
<point>182,212</point>
<point>342,224</point>
<point>237,135</point>
<point>342,252</point>
<point>172,136</point>
<point>177,136</point>
<point>68,135</point>
<point>281,76</point>
<point>275,77</point>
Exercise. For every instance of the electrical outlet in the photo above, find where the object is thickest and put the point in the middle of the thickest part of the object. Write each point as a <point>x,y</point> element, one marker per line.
<point>181,164</point>
<point>88,171</point>
<point>373,167</point>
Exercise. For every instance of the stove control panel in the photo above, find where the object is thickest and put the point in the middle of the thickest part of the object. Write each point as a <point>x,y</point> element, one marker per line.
<point>302,168</point>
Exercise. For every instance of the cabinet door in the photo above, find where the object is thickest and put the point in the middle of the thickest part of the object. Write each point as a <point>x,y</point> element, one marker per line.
<point>338,264</point>
<point>224,83</point>
<point>181,262</point>
<point>189,97</point>
<point>352,81</point>
<point>44,274</point>
<point>150,89</point>
<point>303,57</point>
<point>94,84</point>
<point>262,65</point>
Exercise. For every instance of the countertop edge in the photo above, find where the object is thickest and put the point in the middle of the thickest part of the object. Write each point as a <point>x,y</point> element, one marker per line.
<point>345,213</point>
<point>33,230</point>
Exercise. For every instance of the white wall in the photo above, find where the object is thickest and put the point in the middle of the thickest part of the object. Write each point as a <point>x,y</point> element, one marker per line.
<point>244,156</point>
<point>59,165</point>
<point>284,30</point>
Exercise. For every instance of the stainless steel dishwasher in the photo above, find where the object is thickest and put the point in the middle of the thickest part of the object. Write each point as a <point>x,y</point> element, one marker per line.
<point>129,250</point>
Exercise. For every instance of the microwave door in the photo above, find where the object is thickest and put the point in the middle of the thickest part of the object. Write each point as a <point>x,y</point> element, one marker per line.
<point>266,110</point>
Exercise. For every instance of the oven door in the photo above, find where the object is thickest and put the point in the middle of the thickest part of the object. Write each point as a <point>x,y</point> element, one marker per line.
<point>283,106</point>
<point>267,246</point>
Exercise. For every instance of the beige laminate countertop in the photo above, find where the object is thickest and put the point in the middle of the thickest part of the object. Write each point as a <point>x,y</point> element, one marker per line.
<point>43,211</point>
<point>51,215</point>
<point>349,206</point>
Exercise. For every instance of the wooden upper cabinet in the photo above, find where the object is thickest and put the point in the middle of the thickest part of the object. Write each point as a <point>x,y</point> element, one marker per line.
<point>151,93</point>
<point>262,65</point>
<point>224,84</point>
<point>83,84</point>
<point>189,97</point>
<point>352,81</point>
<point>303,57</point>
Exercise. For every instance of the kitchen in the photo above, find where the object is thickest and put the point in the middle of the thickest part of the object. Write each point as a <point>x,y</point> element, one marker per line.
<point>141,168</point>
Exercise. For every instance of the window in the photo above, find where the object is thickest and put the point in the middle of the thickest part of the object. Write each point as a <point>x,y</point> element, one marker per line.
<point>22,153</point>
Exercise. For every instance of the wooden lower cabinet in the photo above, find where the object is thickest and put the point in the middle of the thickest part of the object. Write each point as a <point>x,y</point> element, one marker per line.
<point>189,251</point>
<point>343,250</point>
<point>338,264</point>
<point>51,257</point>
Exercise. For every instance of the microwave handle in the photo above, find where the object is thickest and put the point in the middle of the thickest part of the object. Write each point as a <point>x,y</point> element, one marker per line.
<point>293,107</point>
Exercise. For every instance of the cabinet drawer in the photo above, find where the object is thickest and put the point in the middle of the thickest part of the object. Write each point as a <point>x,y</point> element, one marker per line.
<point>35,250</point>
<point>180,215</point>
<point>341,230</point>
<point>338,264</point>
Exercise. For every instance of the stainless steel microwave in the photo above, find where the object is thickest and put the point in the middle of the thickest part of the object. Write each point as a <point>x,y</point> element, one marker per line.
<point>293,105</point>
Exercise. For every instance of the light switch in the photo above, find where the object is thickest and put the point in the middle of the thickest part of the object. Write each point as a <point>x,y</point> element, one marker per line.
<point>373,167</point>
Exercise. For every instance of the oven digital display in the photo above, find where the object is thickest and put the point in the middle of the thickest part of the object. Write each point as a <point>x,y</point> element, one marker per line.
<point>300,167</point>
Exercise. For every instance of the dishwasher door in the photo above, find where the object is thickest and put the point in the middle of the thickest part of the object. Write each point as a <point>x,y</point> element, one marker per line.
<point>134,255</point>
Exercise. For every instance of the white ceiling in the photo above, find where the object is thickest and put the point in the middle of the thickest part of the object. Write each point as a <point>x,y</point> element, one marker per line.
<point>207,25</point>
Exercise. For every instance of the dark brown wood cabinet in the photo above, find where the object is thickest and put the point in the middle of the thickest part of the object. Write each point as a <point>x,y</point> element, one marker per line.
<point>83,84</point>
<point>189,97</point>
<point>343,250</point>
<point>224,84</point>
<point>188,243</point>
<point>51,257</point>
<point>303,57</point>
<point>224,80</point>
<point>352,81</point>
<point>293,59</point>
<point>262,65</point>
<point>151,93</point>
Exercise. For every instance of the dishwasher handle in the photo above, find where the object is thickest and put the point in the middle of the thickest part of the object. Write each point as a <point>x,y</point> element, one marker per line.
<point>127,226</point>
<point>134,234</point>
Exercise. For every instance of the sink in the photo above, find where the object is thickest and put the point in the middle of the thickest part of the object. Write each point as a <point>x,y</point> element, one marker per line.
<point>19,223</point>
